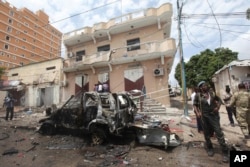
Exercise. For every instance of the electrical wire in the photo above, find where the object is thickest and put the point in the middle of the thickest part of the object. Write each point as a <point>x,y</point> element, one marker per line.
<point>216,22</point>
<point>230,31</point>
<point>185,16</point>
<point>202,15</point>
<point>60,51</point>
<point>189,37</point>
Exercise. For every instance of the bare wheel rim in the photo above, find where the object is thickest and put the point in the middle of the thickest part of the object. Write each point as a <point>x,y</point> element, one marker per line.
<point>97,139</point>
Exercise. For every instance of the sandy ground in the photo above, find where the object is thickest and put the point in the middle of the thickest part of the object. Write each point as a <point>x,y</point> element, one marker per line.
<point>22,146</point>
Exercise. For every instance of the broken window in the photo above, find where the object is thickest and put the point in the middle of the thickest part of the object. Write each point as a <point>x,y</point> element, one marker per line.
<point>103,48</point>
<point>133,44</point>
<point>79,55</point>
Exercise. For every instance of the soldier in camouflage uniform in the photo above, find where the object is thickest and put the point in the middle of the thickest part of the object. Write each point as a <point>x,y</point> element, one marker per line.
<point>207,105</point>
<point>241,100</point>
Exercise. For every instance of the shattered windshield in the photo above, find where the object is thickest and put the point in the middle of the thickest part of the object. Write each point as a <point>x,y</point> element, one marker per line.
<point>74,102</point>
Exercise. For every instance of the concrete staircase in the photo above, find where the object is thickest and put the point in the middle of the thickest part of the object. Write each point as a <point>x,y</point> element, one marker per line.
<point>152,106</point>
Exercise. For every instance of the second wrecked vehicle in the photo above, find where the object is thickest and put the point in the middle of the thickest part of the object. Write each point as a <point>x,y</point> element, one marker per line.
<point>104,114</point>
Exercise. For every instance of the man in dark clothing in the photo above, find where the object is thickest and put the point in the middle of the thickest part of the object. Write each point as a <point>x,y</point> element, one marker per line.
<point>227,98</point>
<point>208,104</point>
<point>9,104</point>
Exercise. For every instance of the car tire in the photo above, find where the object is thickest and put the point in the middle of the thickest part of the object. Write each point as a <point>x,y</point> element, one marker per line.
<point>47,129</point>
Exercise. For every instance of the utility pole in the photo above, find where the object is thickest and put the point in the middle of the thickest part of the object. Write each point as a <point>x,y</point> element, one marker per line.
<point>182,65</point>
<point>248,13</point>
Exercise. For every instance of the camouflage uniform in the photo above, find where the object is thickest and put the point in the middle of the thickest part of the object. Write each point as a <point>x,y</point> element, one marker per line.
<point>241,100</point>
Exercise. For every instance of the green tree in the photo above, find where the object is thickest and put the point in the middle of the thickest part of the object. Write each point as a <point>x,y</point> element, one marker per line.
<point>202,66</point>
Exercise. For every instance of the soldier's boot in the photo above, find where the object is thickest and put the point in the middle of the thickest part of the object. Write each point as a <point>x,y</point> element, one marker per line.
<point>225,157</point>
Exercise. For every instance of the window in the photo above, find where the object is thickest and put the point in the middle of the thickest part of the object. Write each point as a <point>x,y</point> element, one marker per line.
<point>103,48</point>
<point>10,21</point>
<point>9,29</point>
<point>133,44</point>
<point>11,13</point>
<point>7,38</point>
<point>51,68</point>
<point>79,55</point>
<point>6,46</point>
<point>21,63</point>
<point>15,74</point>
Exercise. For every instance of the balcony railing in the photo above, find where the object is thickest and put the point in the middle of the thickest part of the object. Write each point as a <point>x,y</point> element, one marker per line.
<point>148,50</point>
<point>167,7</point>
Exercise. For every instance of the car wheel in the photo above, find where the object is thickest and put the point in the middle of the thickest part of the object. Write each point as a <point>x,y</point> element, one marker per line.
<point>47,129</point>
<point>98,135</point>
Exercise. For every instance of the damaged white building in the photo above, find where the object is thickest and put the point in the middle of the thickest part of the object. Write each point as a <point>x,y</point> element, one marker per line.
<point>232,74</point>
<point>41,83</point>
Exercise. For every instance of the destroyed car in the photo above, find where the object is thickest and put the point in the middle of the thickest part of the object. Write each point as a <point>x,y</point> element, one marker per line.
<point>101,114</point>
<point>105,114</point>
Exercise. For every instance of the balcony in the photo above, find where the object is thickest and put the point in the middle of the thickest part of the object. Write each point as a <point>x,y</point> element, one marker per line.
<point>147,51</point>
<point>158,16</point>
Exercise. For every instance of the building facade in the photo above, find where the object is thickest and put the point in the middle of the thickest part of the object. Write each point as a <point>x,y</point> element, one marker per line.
<point>41,84</point>
<point>133,51</point>
<point>238,71</point>
<point>26,37</point>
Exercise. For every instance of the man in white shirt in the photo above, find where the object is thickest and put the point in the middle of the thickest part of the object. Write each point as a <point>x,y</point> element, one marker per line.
<point>198,116</point>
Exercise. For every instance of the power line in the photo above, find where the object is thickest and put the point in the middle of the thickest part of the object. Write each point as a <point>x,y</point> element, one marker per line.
<point>202,15</point>
<point>83,12</point>
<point>59,51</point>
<point>189,37</point>
<point>216,22</point>
<point>227,31</point>
<point>240,25</point>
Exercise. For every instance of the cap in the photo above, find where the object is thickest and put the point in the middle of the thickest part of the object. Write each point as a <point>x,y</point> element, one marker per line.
<point>201,83</point>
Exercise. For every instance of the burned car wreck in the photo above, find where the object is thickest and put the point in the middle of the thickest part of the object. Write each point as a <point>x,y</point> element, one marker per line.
<point>105,114</point>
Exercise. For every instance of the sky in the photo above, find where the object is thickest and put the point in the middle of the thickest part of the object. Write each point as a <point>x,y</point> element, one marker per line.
<point>205,24</point>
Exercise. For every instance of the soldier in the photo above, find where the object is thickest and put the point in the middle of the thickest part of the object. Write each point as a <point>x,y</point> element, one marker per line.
<point>208,104</point>
<point>241,100</point>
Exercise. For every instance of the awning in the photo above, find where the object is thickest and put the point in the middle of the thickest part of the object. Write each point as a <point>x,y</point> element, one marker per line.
<point>11,84</point>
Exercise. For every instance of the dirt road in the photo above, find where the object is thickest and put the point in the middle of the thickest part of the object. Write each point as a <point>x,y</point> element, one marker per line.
<point>22,146</point>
